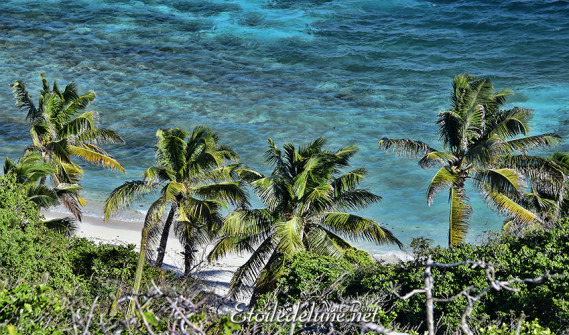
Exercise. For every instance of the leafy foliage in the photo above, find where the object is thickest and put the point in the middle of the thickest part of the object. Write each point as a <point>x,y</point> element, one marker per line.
<point>16,209</point>
<point>24,308</point>
<point>525,327</point>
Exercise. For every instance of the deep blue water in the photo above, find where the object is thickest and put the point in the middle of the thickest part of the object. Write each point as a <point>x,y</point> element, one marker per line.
<point>351,70</point>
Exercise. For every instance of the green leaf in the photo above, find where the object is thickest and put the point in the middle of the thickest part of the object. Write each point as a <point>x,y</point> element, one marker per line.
<point>150,318</point>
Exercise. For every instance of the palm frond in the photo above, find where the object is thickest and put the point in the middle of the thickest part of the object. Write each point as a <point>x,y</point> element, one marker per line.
<point>154,223</point>
<point>95,157</point>
<point>442,179</point>
<point>41,133</point>
<point>78,125</point>
<point>473,125</point>
<point>232,244</point>
<point>436,158</point>
<point>317,241</point>
<point>43,196</point>
<point>65,226</point>
<point>534,167</point>
<point>100,136</point>
<point>271,191</point>
<point>405,147</point>
<point>343,155</point>
<point>171,148</point>
<point>337,240</point>
<point>246,222</point>
<point>229,191</point>
<point>505,181</point>
<point>248,175</point>
<point>158,174</point>
<point>123,196</point>
<point>246,274</point>
<point>358,228</point>
<point>73,203</point>
<point>348,181</point>
<point>353,200</point>
<point>313,148</point>
<point>273,155</point>
<point>510,123</point>
<point>289,236</point>
<point>269,276</point>
<point>450,124</point>
<point>200,212</point>
<point>24,99</point>
<point>174,191</point>
<point>523,144</point>
<point>509,207</point>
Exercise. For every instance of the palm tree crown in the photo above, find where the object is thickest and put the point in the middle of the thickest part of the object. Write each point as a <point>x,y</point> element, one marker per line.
<point>60,128</point>
<point>484,143</point>
<point>196,177</point>
<point>304,200</point>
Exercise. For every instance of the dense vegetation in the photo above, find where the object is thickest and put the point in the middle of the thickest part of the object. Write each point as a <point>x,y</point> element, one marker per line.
<point>534,255</point>
<point>52,282</point>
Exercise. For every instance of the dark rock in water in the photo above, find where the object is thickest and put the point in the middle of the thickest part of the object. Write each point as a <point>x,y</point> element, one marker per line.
<point>345,96</point>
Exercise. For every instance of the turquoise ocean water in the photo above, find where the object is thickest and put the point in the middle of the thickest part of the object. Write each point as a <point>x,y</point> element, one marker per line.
<point>351,70</point>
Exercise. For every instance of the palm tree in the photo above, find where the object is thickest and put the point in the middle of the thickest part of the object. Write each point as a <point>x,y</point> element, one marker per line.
<point>60,128</point>
<point>195,181</point>
<point>28,171</point>
<point>304,199</point>
<point>483,143</point>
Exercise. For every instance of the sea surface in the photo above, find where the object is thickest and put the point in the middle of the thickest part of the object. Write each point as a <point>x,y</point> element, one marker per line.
<point>291,70</point>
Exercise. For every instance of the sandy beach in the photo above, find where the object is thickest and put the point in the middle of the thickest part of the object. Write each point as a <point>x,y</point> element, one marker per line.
<point>215,276</point>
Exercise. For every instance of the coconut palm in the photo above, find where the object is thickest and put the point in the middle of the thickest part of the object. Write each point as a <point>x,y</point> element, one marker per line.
<point>61,128</point>
<point>196,177</point>
<point>28,171</point>
<point>305,198</point>
<point>483,143</point>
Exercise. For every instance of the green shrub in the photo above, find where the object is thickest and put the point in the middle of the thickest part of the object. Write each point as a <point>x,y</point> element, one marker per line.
<point>31,310</point>
<point>105,267</point>
<point>529,328</point>
<point>15,209</point>
<point>308,272</point>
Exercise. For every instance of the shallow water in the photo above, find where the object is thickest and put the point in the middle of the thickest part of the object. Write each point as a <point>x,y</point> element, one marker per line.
<point>351,70</point>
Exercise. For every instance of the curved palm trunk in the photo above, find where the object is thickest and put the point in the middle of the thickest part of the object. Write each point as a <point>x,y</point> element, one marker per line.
<point>188,258</point>
<point>165,234</point>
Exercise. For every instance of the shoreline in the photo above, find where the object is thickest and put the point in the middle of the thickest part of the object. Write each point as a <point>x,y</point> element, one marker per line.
<point>216,276</point>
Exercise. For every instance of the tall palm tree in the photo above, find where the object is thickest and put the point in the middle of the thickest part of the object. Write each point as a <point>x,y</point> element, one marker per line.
<point>305,198</point>
<point>485,144</point>
<point>196,177</point>
<point>61,128</point>
<point>28,171</point>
